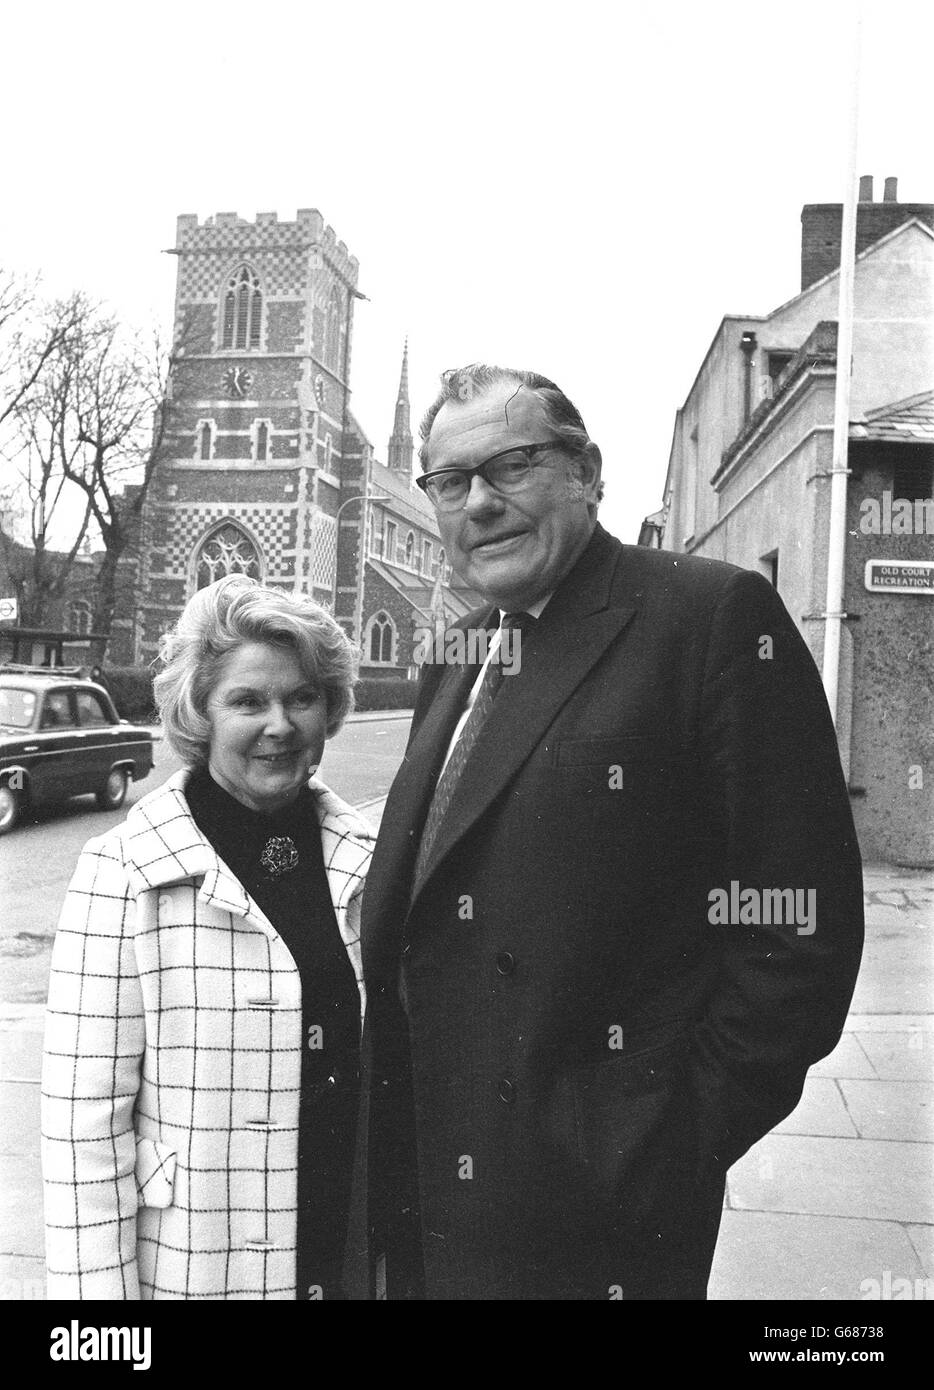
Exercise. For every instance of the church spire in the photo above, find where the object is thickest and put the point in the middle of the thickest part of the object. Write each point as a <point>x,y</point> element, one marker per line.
<point>401,448</point>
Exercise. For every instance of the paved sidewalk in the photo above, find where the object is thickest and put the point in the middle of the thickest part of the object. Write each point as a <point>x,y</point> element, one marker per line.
<point>836,1203</point>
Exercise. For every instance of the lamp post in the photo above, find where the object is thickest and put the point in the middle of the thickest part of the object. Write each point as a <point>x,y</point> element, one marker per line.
<point>363,497</point>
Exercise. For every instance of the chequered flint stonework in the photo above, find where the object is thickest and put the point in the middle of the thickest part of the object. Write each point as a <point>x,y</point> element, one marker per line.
<point>323,549</point>
<point>272,527</point>
<point>282,273</point>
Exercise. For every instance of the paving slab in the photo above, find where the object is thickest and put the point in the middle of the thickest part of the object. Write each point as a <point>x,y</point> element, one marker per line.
<point>897,971</point>
<point>19,1117</point>
<point>20,1053</point>
<point>847,1059</point>
<point>922,1238</point>
<point>890,1023</point>
<point>820,1111</point>
<point>879,1179</point>
<point>890,1109</point>
<point>900,1056</point>
<point>22,1277</point>
<point>21,1226</point>
<point>768,1255</point>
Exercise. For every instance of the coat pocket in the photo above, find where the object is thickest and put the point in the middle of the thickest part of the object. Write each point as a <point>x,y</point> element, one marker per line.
<point>155,1172</point>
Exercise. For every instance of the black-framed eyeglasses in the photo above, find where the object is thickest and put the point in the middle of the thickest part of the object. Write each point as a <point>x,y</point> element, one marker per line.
<point>508,471</point>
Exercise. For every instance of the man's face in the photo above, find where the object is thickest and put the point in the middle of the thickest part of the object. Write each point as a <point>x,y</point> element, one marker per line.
<point>512,549</point>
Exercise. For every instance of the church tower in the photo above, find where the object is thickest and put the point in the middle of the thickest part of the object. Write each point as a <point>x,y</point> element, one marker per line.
<point>400,441</point>
<point>255,467</point>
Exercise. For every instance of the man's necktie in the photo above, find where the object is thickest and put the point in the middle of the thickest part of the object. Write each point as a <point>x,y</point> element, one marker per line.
<point>447,782</point>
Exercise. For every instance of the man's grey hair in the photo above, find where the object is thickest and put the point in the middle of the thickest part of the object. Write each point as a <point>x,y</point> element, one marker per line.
<point>226,615</point>
<point>461,384</point>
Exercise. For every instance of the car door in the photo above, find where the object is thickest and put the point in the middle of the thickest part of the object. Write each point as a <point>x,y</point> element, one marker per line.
<point>55,773</point>
<point>99,736</point>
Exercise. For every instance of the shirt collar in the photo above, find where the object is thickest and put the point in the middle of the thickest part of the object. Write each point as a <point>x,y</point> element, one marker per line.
<point>534,609</point>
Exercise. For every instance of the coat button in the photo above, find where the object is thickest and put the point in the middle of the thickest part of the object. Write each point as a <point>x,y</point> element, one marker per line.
<point>507,1090</point>
<point>506,963</point>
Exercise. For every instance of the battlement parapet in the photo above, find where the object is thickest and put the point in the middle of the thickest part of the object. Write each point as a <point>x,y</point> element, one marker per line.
<point>227,231</point>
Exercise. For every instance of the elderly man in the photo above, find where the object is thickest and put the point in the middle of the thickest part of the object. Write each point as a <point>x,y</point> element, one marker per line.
<point>615,910</point>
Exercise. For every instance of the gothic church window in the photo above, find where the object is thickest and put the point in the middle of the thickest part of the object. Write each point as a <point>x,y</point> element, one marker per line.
<point>381,634</point>
<point>409,549</point>
<point>243,311</point>
<point>205,440</point>
<point>228,550</point>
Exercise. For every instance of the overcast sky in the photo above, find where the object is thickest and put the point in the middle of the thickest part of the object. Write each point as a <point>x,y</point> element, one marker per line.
<point>581,188</point>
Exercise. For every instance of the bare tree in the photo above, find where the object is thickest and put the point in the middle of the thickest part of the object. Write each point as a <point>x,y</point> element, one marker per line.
<point>31,333</point>
<point>45,447</point>
<point>85,409</point>
<point>122,404</point>
<point>35,399</point>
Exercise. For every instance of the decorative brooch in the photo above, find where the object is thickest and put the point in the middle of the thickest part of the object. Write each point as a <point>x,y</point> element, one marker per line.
<point>279,856</point>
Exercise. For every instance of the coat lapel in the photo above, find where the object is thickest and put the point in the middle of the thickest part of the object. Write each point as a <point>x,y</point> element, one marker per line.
<point>552,668</point>
<point>164,845</point>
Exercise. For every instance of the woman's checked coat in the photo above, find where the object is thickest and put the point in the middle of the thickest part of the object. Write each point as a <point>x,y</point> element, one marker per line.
<point>171,1076</point>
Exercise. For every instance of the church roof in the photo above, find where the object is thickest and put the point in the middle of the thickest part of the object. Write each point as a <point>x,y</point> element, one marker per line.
<point>404,497</point>
<point>417,590</point>
<point>910,421</point>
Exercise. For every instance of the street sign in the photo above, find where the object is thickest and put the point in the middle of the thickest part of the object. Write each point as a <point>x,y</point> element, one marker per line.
<point>9,610</point>
<point>900,576</point>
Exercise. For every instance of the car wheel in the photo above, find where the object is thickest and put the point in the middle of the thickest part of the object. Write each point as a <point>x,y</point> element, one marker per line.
<point>113,793</point>
<point>11,808</point>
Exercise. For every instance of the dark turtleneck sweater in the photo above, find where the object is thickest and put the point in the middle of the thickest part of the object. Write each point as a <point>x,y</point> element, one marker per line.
<point>299,906</point>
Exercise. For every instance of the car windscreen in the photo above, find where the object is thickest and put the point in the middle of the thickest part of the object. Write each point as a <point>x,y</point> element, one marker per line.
<point>17,707</point>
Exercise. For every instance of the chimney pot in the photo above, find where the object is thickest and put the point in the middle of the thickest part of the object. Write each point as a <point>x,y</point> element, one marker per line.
<point>865,188</point>
<point>891,191</point>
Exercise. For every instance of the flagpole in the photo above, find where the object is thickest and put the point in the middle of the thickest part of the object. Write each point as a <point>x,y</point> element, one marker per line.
<point>836,548</point>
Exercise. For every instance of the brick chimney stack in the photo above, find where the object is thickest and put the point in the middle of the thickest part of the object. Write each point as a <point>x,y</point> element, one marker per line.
<point>822,226</point>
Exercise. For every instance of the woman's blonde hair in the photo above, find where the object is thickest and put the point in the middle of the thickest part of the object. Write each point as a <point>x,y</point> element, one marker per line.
<point>221,618</point>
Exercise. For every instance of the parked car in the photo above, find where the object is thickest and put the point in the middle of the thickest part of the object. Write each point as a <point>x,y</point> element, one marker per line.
<point>60,736</point>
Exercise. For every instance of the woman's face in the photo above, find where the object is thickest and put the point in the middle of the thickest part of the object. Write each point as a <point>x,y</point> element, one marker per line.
<point>268,725</point>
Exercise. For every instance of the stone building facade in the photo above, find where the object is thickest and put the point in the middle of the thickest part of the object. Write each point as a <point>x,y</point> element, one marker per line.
<point>749,482</point>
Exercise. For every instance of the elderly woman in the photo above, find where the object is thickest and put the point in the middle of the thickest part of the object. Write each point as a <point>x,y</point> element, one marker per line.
<point>200,1078</point>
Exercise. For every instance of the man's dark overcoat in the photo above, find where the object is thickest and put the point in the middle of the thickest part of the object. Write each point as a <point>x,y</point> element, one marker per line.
<point>587,1052</point>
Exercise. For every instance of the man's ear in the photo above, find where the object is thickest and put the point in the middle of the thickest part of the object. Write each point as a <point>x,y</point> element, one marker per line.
<point>588,466</point>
